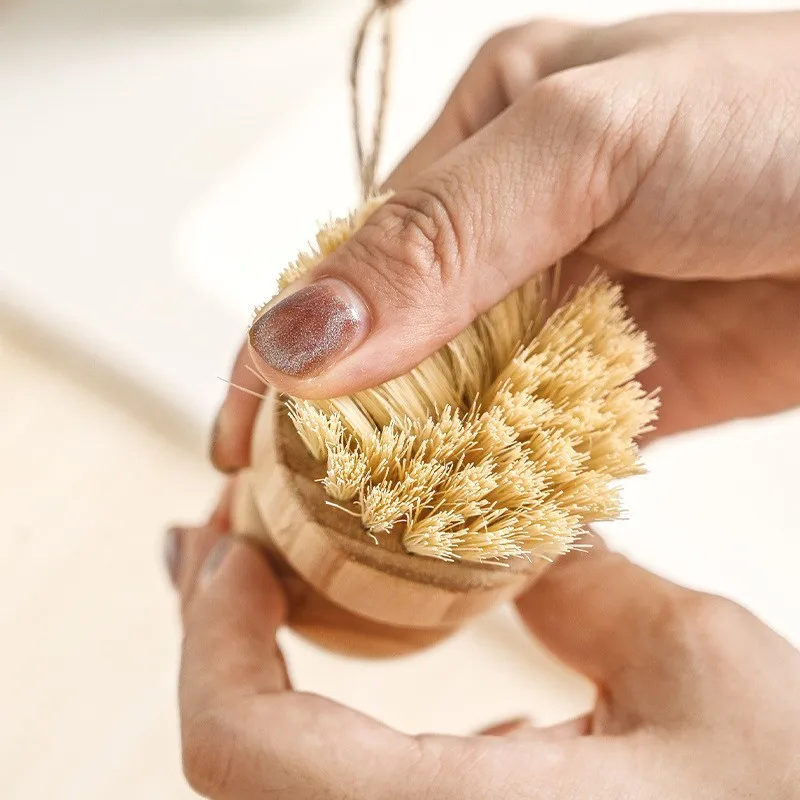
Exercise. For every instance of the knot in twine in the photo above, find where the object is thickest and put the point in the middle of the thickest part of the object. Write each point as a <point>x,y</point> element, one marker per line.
<point>368,158</point>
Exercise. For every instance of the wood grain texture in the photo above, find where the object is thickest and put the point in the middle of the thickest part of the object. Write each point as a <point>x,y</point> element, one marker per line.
<point>314,616</point>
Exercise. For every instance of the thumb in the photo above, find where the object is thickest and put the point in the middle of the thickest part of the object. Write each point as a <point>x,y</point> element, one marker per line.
<point>650,646</point>
<point>499,208</point>
<point>598,612</point>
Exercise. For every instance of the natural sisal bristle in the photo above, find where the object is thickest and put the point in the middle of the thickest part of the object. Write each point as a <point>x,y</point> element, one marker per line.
<point>505,442</point>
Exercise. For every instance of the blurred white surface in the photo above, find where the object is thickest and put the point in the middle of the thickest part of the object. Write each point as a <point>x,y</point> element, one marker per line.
<point>156,172</point>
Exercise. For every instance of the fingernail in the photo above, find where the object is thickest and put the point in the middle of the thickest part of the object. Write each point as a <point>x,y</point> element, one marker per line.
<point>215,449</point>
<point>212,443</point>
<point>172,553</point>
<point>214,559</point>
<point>508,727</point>
<point>309,330</point>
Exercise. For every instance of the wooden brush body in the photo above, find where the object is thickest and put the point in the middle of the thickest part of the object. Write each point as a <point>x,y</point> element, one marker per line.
<point>348,592</point>
<point>401,511</point>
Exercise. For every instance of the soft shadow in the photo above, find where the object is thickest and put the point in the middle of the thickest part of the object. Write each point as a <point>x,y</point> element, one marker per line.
<point>164,419</point>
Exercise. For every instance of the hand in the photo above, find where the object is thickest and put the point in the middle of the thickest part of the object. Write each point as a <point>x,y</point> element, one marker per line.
<point>663,149</point>
<point>697,698</point>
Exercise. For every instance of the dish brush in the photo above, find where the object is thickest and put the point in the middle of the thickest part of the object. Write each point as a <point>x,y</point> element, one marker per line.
<point>400,512</point>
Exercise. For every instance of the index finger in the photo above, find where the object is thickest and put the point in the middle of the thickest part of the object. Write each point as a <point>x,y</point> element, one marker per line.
<point>230,437</point>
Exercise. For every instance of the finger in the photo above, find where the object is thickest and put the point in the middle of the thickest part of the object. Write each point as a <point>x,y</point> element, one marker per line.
<point>650,645</point>
<point>230,437</point>
<point>508,64</point>
<point>598,612</point>
<point>188,547</point>
<point>501,207</point>
<point>232,609</point>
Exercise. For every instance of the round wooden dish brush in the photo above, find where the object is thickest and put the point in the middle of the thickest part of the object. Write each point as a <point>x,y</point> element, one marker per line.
<point>398,513</point>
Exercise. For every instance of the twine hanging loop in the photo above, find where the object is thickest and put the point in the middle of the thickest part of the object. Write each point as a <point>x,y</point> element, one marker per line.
<point>368,157</point>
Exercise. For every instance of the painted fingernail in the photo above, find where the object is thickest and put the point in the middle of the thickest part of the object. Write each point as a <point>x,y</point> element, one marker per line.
<point>216,448</point>
<point>214,560</point>
<point>172,553</point>
<point>309,330</point>
<point>213,439</point>
<point>509,727</point>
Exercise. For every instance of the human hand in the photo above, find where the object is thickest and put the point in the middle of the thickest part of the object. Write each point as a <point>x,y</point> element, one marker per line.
<point>663,149</point>
<point>696,697</point>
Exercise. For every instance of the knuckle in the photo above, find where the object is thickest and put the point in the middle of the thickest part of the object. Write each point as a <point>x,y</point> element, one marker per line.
<point>525,37</point>
<point>494,47</point>
<point>592,129</point>
<point>207,754</point>
<point>512,56</point>
<point>414,246</point>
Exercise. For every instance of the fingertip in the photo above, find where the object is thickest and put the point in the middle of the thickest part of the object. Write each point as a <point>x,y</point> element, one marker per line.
<point>307,330</point>
<point>229,446</point>
<point>236,574</point>
<point>194,544</point>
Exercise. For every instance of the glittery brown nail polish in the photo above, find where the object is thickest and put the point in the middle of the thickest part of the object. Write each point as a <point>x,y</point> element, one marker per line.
<point>305,333</point>
<point>172,553</point>
<point>214,559</point>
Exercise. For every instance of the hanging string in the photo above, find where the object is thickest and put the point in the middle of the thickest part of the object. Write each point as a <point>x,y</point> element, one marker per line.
<point>383,11</point>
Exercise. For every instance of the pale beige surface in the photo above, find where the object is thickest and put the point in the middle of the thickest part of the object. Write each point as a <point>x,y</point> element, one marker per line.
<point>87,621</point>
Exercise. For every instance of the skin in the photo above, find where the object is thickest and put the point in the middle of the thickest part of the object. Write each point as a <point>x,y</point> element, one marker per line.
<point>664,150</point>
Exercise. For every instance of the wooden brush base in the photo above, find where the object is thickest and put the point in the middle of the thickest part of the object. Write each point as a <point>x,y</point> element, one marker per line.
<point>348,593</point>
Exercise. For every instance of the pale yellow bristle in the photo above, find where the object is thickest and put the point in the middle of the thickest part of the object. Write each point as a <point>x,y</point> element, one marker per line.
<point>318,430</point>
<point>348,470</point>
<point>386,450</point>
<point>469,487</point>
<point>437,535</point>
<point>385,504</point>
<point>503,443</point>
<point>448,437</point>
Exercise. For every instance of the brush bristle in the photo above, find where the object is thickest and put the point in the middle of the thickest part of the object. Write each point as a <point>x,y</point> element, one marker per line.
<point>505,442</point>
